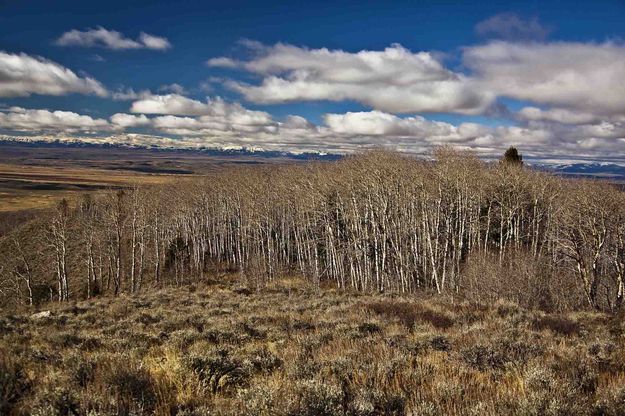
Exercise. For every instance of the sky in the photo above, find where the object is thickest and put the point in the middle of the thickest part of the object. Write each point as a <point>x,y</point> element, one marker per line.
<point>326,77</point>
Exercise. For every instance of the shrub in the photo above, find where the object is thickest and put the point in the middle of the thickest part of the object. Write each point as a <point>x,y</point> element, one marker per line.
<point>408,314</point>
<point>66,340</point>
<point>90,344</point>
<point>613,405</point>
<point>303,326</point>
<point>585,378</point>
<point>539,378</point>
<point>403,311</point>
<point>219,372</point>
<point>558,324</point>
<point>483,357</point>
<point>132,386</point>
<point>258,400</point>
<point>264,360</point>
<point>58,402</point>
<point>440,343</point>
<point>367,402</point>
<point>437,319</point>
<point>250,331</point>
<point>220,337</point>
<point>368,328</point>
<point>80,369</point>
<point>13,383</point>
<point>316,398</point>
<point>147,319</point>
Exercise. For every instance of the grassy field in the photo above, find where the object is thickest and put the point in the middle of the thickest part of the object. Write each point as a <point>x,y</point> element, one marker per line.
<point>32,187</point>
<point>221,348</point>
<point>34,176</point>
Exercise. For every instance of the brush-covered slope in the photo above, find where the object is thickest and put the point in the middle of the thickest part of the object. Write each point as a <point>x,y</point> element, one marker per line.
<point>219,348</point>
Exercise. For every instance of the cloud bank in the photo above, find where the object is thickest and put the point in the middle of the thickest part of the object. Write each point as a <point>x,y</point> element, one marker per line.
<point>577,77</point>
<point>581,76</point>
<point>172,120</point>
<point>394,80</point>
<point>29,120</point>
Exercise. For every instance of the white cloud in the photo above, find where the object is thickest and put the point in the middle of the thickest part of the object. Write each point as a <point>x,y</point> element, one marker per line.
<point>111,39</point>
<point>579,76</point>
<point>129,94</point>
<point>22,75</point>
<point>340,133</point>
<point>29,120</point>
<point>174,104</point>
<point>222,62</point>
<point>154,42</point>
<point>603,129</point>
<point>376,123</point>
<point>576,83</point>
<point>169,104</point>
<point>175,88</point>
<point>512,27</point>
<point>558,115</point>
<point>297,123</point>
<point>392,80</point>
<point>121,120</point>
<point>181,115</point>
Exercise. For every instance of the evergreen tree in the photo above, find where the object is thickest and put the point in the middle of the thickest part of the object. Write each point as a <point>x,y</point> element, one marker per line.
<point>512,157</point>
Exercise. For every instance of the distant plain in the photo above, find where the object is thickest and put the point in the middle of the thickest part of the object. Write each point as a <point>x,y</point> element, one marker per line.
<point>38,176</point>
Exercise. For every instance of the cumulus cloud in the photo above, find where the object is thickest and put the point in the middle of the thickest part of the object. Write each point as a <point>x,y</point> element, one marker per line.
<point>393,80</point>
<point>558,115</point>
<point>173,120</point>
<point>170,104</point>
<point>123,121</point>
<point>178,105</point>
<point>22,75</point>
<point>209,125</point>
<point>180,115</point>
<point>377,123</point>
<point>510,26</point>
<point>29,120</point>
<point>154,42</point>
<point>353,131</point>
<point>111,39</point>
<point>568,82</point>
<point>230,127</point>
<point>297,123</point>
<point>579,76</point>
<point>350,132</point>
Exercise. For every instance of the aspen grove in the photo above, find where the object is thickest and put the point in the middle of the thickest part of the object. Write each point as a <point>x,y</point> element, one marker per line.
<point>379,221</point>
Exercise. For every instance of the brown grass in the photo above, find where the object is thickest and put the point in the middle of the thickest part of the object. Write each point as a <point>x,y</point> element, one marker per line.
<point>292,349</point>
<point>30,187</point>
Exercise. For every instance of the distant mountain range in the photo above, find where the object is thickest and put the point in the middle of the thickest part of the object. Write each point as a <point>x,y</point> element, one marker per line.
<point>569,168</point>
<point>209,151</point>
<point>587,169</point>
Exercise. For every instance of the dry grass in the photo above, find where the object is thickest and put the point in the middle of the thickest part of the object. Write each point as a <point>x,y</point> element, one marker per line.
<point>291,349</point>
<point>29,187</point>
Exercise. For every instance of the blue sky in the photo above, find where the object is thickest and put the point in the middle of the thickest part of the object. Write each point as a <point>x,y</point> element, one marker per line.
<point>403,75</point>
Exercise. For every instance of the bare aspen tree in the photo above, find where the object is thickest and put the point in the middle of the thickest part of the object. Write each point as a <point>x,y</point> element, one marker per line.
<point>58,237</point>
<point>376,221</point>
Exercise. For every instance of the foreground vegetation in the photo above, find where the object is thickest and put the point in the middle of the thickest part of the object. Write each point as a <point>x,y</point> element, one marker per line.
<point>291,348</point>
